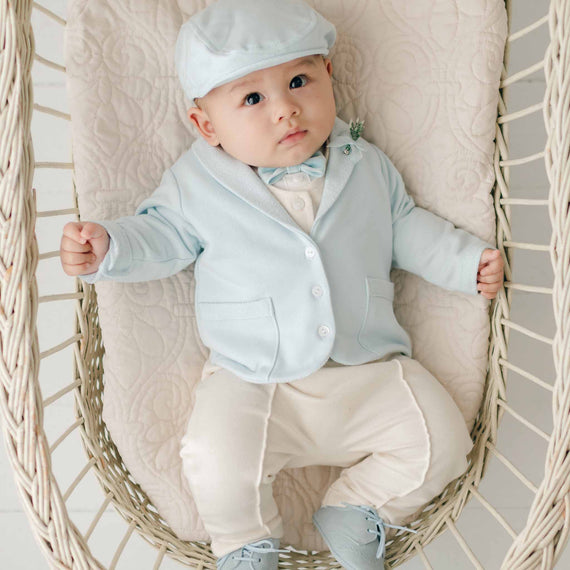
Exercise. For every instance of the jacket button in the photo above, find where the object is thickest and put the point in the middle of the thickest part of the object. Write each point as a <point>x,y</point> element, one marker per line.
<point>324,330</point>
<point>310,252</point>
<point>317,291</point>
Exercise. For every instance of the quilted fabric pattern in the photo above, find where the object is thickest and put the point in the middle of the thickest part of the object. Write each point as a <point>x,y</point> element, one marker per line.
<point>424,75</point>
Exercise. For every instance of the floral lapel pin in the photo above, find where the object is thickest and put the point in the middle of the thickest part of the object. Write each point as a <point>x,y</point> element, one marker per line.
<point>356,128</point>
<point>350,146</point>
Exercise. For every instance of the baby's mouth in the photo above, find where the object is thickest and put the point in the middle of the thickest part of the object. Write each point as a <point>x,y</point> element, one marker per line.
<point>293,136</point>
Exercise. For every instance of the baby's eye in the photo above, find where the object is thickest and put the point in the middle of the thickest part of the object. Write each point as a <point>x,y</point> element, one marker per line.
<point>252,99</point>
<point>298,81</point>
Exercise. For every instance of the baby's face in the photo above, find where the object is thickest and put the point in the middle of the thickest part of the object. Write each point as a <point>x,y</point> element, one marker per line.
<point>277,116</point>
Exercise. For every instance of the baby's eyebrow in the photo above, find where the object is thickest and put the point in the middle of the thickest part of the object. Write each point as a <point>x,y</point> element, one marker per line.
<point>311,60</point>
<point>299,66</point>
<point>241,84</point>
<point>304,62</point>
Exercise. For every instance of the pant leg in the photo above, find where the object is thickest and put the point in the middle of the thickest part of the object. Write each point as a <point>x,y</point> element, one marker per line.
<point>363,418</point>
<point>222,455</point>
<point>391,425</point>
<point>400,479</point>
<point>450,441</point>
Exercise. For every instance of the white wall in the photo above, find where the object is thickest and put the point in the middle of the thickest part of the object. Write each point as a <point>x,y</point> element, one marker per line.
<point>18,548</point>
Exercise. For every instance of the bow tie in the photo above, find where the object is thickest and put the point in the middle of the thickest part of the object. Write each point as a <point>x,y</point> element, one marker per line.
<point>314,166</point>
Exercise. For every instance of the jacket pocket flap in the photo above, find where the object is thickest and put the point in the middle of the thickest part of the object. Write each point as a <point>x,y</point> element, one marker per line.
<point>380,288</point>
<point>236,310</point>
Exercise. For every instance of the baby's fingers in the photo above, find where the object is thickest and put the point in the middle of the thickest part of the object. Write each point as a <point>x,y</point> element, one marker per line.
<point>91,230</point>
<point>72,230</point>
<point>490,277</point>
<point>69,244</point>
<point>77,258</point>
<point>488,291</point>
<point>494,265</point>
<point>76,263</point>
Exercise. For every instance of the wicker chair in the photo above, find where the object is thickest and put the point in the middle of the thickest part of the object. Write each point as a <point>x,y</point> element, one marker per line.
<point>538,545</point>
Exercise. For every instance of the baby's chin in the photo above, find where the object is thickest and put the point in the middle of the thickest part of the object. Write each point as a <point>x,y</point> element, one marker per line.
<point>283,161</point>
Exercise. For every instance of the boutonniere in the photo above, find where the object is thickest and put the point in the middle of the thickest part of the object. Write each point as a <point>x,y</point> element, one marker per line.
<point>356,128</point>
<point>350,145</point>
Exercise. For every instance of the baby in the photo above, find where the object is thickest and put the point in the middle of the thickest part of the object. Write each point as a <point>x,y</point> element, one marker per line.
<point>294,222</point>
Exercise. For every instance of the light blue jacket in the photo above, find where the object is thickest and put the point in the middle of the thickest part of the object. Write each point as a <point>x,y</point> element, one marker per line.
<point>273,303</point>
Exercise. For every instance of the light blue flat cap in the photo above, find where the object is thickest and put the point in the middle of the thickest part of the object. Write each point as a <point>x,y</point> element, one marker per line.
<point>231,38</point>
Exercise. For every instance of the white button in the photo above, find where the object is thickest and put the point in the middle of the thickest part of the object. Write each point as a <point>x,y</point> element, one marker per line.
<point>317,291</point>
<point>298,203</point>
<point>324,330</point>
<point>310,252</point>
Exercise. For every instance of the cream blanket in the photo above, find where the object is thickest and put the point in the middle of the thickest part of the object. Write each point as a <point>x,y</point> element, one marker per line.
<point>424,75</point>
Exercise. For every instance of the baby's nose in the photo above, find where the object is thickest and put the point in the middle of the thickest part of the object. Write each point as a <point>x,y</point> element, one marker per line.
<point>285,108</point>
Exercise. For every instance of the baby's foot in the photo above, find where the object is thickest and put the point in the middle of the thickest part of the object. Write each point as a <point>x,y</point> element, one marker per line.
<point>355,535</point>
<point>260,555</point>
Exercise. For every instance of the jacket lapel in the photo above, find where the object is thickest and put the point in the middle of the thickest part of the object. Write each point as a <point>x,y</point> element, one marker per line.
<point>340,165</point>
<point>242,180</point>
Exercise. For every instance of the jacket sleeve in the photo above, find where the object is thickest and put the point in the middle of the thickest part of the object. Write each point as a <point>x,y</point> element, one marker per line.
<point>428,245</point>
<point>158,241</point>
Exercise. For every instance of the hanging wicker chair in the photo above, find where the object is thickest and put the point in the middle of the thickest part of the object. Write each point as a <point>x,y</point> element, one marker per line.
<point>538,545</point>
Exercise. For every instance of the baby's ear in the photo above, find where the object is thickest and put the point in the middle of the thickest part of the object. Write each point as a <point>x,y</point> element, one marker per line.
<point>199,118</point>
<point>328,65</point>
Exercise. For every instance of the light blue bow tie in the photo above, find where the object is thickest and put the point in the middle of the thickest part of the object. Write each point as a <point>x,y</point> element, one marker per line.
<point>314,166</point>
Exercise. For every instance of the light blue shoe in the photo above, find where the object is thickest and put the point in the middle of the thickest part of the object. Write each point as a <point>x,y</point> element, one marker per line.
<point>355,535</point>
<point>260,555</point>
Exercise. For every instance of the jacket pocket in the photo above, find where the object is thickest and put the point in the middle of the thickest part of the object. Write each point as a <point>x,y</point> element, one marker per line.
<point>379,323</point>
<point>244,332</point>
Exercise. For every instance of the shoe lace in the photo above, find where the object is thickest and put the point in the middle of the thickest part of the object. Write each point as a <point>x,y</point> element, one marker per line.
<point>381,526</point>
<point>249,550</point>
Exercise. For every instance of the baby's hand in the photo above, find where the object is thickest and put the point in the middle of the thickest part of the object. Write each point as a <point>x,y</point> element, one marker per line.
<point>83,247</point>
<point>490,273</point>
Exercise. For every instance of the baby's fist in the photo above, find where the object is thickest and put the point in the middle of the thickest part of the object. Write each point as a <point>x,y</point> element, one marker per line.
<point>83,247</point>
<point>490,273</point>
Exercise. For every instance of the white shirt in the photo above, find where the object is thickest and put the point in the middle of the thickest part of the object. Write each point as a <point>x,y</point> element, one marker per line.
<point>300,195</point>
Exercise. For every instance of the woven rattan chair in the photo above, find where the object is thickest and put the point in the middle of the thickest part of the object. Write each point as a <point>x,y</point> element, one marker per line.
<point>538,545</point>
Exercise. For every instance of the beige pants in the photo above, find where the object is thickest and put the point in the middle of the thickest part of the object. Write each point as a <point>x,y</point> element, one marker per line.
<point>390,424</point>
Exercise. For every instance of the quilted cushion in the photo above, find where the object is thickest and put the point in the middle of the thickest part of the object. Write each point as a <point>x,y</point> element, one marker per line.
<point>424,75</point>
